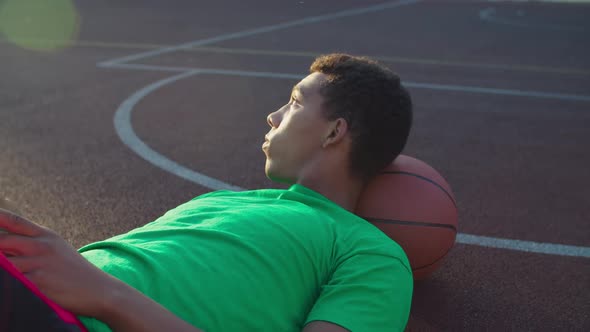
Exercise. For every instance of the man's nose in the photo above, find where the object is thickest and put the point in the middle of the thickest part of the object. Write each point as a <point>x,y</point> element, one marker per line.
<point>273,119</point>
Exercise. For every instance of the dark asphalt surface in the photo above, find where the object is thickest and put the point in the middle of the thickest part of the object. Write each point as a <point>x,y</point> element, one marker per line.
<point>518,165</point>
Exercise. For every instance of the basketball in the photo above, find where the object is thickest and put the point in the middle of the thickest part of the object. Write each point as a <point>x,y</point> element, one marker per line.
<point>414,205</point>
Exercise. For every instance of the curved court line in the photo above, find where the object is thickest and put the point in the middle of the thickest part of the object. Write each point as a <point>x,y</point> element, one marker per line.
<point>488,15</point>
<point>126,133</point>
<point>256,31</point>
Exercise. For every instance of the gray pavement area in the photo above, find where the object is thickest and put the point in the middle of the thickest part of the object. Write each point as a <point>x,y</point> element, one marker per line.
<point>502,110</point>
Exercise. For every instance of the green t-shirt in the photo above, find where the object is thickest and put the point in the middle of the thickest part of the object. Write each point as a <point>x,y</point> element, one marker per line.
<point>263,260</point>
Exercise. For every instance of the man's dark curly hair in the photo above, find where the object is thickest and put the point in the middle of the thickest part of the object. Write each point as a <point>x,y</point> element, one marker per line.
<point>377,108</point>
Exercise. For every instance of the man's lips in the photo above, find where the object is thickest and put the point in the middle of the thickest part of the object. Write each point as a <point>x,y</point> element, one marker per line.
<point>266,142</point>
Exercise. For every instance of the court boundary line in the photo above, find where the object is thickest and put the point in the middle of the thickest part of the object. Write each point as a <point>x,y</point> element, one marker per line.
<point>417,85</point>
<point>524,246</point>
<point>487,15</point>
<point>124,129</point>
<point>127,134</point>
<point>404,60</point>
<point>259,30</point>
<point>383,58</point>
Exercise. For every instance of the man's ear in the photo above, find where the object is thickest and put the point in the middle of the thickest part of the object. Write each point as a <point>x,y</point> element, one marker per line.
<point>336,132</point>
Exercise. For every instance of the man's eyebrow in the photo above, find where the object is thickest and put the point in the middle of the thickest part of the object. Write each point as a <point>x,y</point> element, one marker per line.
<point>297,90</point>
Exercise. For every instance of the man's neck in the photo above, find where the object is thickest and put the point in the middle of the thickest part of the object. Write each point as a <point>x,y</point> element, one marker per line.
<point>343,191</point>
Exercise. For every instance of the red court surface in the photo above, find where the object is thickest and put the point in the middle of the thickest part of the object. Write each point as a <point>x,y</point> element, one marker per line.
<point>94,135</point>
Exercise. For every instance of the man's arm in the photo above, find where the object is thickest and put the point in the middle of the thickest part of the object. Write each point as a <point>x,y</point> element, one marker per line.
<point>370,290</point>
<point>126,309</point>
<point>62,274</point>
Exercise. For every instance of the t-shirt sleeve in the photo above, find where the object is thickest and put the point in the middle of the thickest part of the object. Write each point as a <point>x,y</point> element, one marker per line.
<point>366,293</point>
<point>94,325</point>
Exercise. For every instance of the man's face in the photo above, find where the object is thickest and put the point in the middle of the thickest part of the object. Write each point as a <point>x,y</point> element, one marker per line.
<point>297,132</point>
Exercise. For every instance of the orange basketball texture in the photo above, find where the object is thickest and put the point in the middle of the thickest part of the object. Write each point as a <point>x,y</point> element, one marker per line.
<point>414,205</point>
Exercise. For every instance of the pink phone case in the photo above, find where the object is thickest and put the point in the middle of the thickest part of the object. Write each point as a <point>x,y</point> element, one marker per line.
<point>24,308</point>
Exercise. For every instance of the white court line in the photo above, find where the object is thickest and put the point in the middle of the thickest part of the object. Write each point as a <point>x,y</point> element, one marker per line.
<point>137,66</point>
<point>256,31</point>
<point>125,131</point>
<point>526,246</point>
<point>488,15</point>
<point>416,85</point>
<point>312,55</point>
<point>494,91</point>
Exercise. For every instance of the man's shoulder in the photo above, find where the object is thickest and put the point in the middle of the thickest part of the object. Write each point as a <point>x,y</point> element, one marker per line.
<point>255,193</point>
<point>358,236</point>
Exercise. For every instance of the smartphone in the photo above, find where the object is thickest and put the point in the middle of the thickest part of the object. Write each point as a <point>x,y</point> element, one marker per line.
<point>24,308</point>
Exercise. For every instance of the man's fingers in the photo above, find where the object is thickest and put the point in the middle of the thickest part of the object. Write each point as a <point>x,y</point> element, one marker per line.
<point>24,264</point>
<point>13,223</point>
<point>33,277</point>
<point>18,245</point>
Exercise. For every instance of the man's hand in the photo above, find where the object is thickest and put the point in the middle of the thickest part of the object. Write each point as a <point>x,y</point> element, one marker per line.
<point>53,265</point>
<point>67,278</point>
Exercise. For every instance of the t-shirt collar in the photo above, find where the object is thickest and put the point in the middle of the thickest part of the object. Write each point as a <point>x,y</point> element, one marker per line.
<point>298,188</point>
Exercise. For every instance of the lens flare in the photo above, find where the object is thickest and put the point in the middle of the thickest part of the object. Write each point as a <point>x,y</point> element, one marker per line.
<point>39,25</point>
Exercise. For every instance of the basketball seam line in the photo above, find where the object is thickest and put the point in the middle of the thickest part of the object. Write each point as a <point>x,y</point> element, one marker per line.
<point>411,223</point>
<point>435,261</point>
<point>425,179</point>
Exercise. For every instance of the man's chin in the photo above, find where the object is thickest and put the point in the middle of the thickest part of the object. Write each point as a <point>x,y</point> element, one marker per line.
<point>277,177</point>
